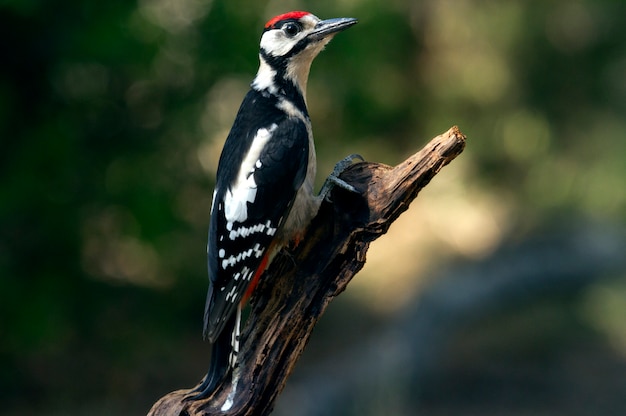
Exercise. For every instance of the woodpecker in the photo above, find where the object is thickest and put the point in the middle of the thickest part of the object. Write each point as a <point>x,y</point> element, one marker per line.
<point>264,195</point>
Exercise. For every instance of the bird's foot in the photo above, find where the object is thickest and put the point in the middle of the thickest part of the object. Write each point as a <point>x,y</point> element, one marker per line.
<point>333,179</point>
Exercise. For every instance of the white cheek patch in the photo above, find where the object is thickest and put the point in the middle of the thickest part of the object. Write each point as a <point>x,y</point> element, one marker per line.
<point>276,43</point>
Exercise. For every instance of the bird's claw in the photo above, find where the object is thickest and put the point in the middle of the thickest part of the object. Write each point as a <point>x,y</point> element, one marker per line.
<point>334,180</point>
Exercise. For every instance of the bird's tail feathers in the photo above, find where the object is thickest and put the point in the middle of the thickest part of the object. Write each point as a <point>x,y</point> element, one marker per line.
<point>223,358</point>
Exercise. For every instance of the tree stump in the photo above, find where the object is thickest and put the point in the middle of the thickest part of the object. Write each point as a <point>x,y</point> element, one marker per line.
<point>300,283</point>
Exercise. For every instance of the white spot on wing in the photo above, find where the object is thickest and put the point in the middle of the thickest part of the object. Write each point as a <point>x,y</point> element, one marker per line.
<point>232,295</point>
<point>248,275</point>
<point>232,260</point>
<point>258,251</point>
<point>247,231</point>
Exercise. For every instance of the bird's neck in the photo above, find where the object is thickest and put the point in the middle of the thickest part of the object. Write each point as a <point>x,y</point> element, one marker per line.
<point>286,80</point>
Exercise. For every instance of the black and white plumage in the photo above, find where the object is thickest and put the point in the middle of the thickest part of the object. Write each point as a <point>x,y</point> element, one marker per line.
<point>264,194</point>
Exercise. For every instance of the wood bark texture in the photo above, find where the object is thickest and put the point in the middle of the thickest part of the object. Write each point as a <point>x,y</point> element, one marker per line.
<point>302,281</point>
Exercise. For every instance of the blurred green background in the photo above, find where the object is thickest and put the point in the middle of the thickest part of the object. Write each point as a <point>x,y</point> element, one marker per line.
<point>112,117</point>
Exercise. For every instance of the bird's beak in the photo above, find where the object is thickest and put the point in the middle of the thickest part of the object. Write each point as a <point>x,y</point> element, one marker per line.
<point>330,27</point>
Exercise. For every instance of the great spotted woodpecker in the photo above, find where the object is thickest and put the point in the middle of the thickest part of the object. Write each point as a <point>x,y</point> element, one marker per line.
<point>264,196</point>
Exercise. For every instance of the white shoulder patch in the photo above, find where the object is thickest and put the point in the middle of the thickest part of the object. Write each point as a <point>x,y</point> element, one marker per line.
<point>244,188</point>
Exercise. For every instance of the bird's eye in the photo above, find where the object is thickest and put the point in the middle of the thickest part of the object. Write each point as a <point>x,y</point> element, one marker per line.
<point>291,29</point>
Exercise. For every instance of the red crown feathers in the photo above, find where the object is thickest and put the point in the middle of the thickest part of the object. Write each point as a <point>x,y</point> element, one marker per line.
<point>285,16</point>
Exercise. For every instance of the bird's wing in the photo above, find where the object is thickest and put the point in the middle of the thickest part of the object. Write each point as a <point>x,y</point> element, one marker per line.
<point>248,213</point>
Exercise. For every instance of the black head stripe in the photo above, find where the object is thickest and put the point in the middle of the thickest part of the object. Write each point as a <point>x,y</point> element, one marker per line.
<point>278,63</point>
<point>285,87</point>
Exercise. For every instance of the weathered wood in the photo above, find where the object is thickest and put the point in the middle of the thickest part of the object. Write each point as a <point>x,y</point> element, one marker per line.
<point>301,282</point>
